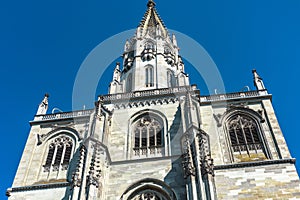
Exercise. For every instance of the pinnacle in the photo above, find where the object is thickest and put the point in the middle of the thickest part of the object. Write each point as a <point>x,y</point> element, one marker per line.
<point>151,4</point>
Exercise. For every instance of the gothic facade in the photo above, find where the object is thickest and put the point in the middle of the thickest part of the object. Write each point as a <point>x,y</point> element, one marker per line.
<point>155,137</point>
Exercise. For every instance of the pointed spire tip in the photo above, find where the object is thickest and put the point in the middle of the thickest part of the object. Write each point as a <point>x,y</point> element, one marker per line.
<point>151,4</point>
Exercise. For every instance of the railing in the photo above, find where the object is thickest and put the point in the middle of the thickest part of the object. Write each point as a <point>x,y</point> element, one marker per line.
<point>246,147</point>
<point>148,151</point>
<point>145,93</point>
<point>178,90</point>
<point>222,97</point>
<point>63,115</point>
<point>181,89</point>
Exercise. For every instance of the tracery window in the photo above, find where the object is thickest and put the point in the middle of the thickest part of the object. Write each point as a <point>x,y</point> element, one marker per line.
<point>59,154</point>
<point>149,82</point>
<point>245,136</point>
<point>148,136</point>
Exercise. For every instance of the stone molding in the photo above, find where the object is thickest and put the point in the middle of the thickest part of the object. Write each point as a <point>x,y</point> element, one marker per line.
<point>238,109</point>
<point>66,130</point>
<point>254,164</point>
<point>137,104</point>
<point>37,187</point>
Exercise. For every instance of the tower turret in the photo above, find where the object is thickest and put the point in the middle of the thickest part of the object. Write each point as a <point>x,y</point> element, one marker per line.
<point>151,57</point>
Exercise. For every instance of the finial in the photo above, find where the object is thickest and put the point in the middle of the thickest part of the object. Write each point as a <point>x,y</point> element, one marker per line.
<point>258,82</point>
<point>151,4</point>
<point>255,74</point>
<point>117,66</point>
<point>43,107</point>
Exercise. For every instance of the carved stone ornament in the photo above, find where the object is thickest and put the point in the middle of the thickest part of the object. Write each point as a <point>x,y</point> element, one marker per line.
<point>148,195</point>
<point>76,176</point>
<point>238,108</point>
<point>207,166</point>
<point>94,175</point>
<point>206,162</point>
<point>43,137</point>
<point>187,162</point>
<point>218,119</point>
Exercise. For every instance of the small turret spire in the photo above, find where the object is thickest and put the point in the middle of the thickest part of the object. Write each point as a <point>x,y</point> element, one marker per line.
<point>115,84</point>
<point>117,73</point>
<point>258,82</point>
<point>43,107</point>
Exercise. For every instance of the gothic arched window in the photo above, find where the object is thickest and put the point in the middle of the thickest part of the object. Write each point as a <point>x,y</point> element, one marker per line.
<point>149,45</point>
<point>149,79</point>
<point>148,136</point>
<point>129,83</point>
<point>59,153</point>
<point>170,79</point>
<point>245,138</point>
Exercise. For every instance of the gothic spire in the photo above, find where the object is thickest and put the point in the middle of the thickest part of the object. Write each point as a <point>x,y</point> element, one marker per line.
<point>152,20</point>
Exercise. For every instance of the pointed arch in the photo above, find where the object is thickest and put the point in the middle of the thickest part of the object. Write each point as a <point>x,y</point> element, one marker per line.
<point>149,44</point>
<point>59,148</point>
<point>149,188</point>
<point>66,130</point>
<point>171,82</point>
<point>245,136</point>
<point>129,83</point>
<point>149,76</point>
<point>148,134</point>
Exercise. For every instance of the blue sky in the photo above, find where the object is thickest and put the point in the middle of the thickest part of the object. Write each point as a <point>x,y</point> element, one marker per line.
<point>43,43</point>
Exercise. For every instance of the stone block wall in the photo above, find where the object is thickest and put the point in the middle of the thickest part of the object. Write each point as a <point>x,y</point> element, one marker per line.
<point>274,181</point>
<point>123,175</point>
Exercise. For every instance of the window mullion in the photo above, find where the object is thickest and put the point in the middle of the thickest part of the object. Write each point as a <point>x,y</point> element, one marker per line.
<point>140,138</point>
<point>244,136</point>
<point>254,143</point>
<point>237,139</point>
<point>54,156</point>
<point>63,154</point>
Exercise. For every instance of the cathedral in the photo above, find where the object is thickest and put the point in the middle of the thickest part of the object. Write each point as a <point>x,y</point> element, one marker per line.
<point>155,137</point>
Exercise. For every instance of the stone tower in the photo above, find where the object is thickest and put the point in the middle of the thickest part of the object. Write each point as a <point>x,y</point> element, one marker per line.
<point>155,137</point>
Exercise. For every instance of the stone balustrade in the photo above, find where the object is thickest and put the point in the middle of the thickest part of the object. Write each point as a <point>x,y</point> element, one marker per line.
<point>63,115</point>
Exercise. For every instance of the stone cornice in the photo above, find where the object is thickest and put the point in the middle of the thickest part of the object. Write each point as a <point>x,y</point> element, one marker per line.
<point>37,187</point>
<point>253,164</point>
<point>146,159</point>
